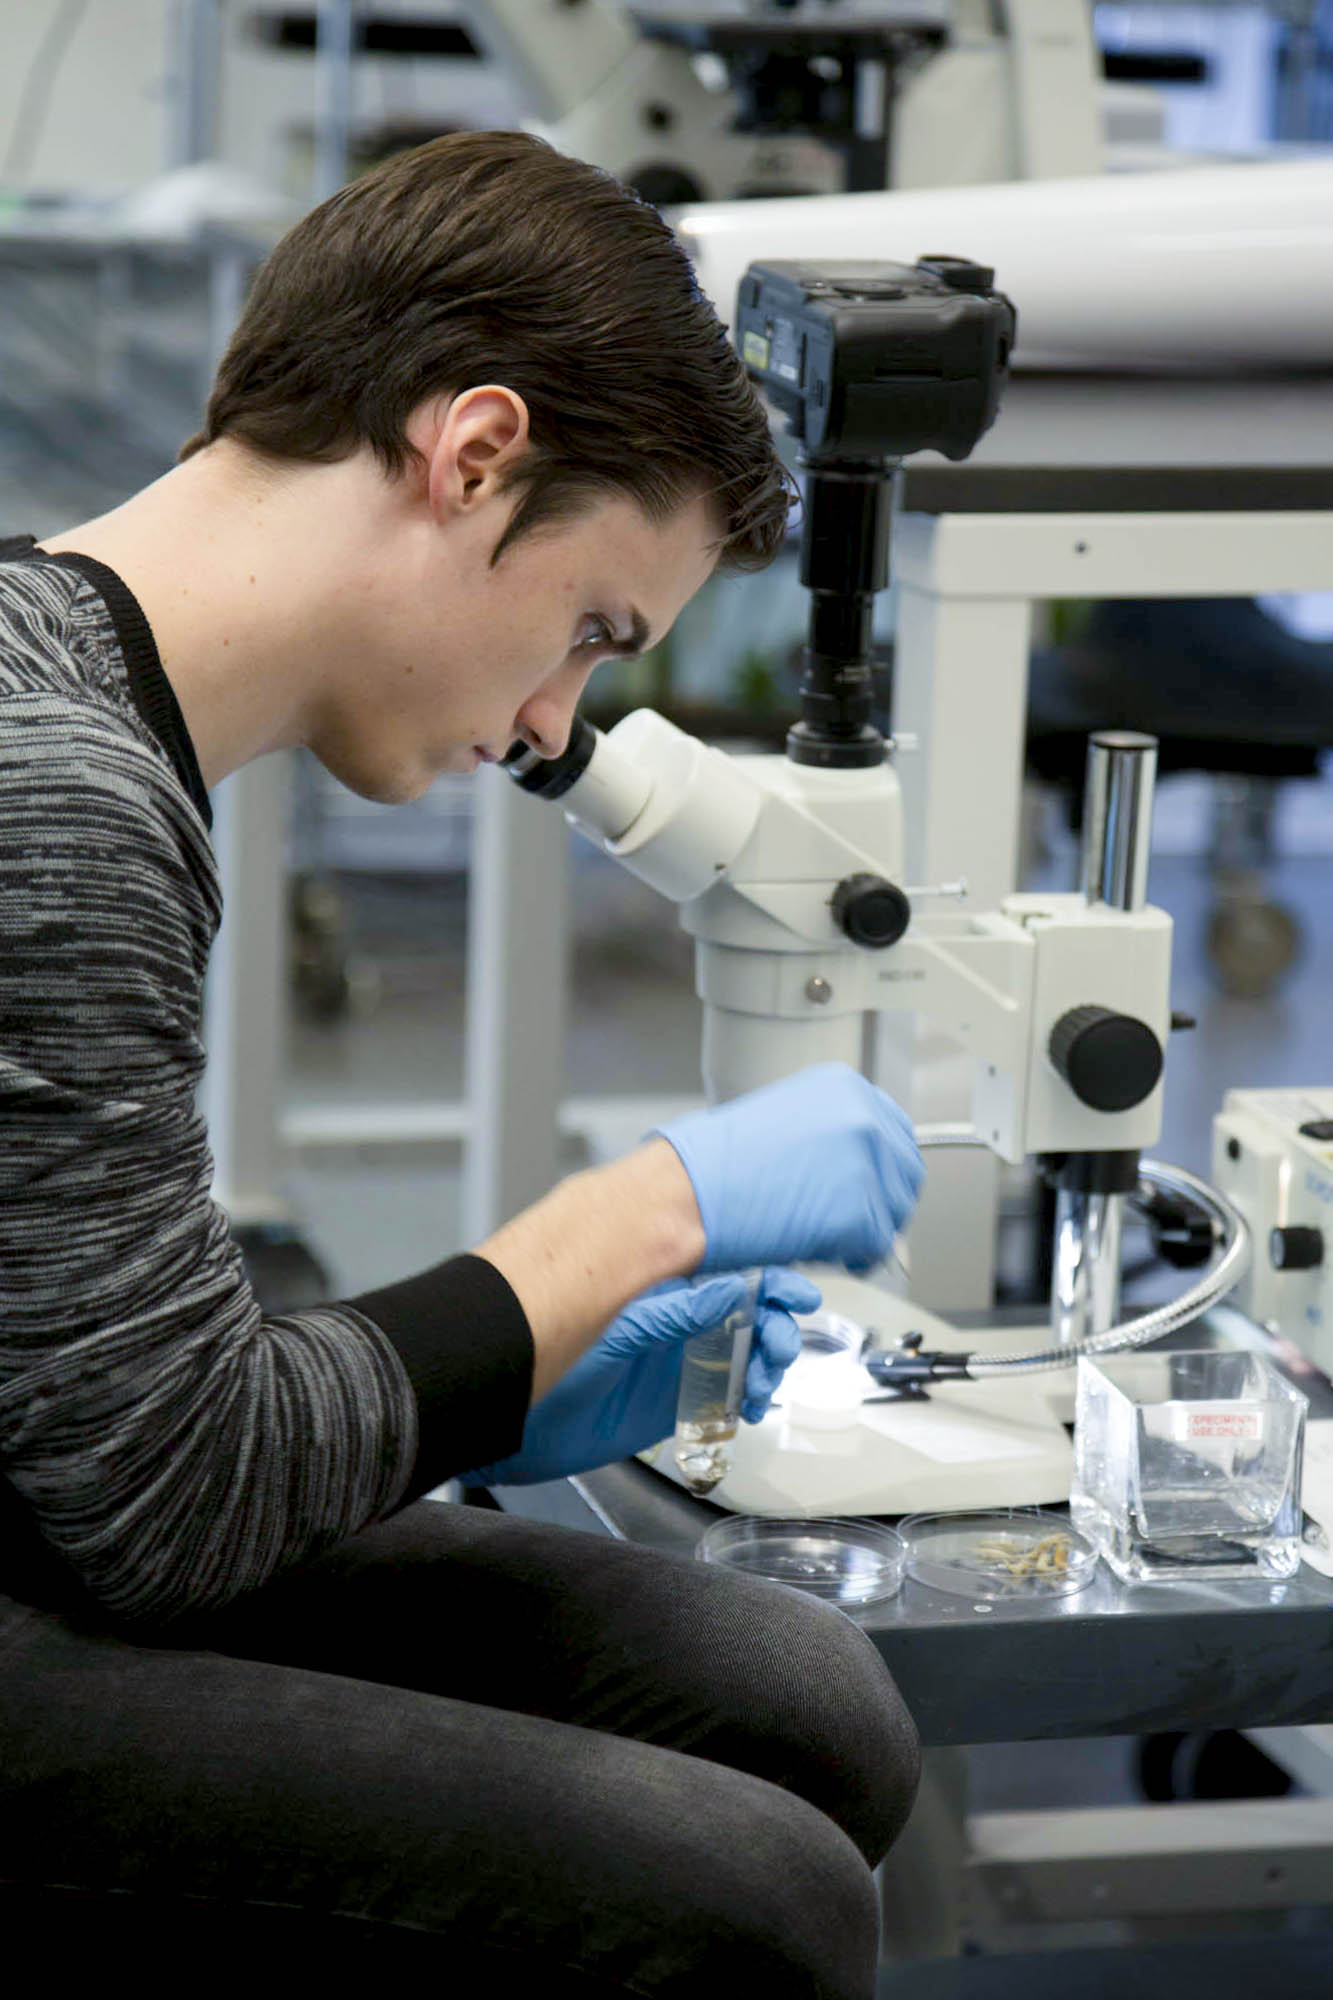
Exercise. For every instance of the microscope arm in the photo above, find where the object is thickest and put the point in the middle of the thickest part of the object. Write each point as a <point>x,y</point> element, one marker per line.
<point>560,56</point>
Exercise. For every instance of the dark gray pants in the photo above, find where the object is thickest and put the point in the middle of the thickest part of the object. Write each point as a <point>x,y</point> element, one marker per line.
<point>464,1743</point>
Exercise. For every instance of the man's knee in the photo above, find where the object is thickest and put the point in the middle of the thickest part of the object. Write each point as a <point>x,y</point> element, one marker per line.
<point>807,1694</point>
<point>861,1753</point>
<point>780,1896</point>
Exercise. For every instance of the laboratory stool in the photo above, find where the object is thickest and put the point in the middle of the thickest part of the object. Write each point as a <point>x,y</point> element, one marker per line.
<point>1266,1967</point>
<point>1227,691</point>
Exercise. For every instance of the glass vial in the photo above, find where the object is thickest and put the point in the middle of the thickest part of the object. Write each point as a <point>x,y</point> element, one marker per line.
<point>712,1388</point>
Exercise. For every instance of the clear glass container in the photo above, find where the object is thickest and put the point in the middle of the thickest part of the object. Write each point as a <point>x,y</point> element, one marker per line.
<point>1189,1464</point>
<point>848,1562</point>
<point>712,1389</point>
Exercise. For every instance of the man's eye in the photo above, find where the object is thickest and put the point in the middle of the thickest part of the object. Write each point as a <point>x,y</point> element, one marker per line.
<point>596,633</point>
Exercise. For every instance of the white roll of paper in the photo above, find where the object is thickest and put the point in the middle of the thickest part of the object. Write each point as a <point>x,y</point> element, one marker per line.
<point>1226,267</point>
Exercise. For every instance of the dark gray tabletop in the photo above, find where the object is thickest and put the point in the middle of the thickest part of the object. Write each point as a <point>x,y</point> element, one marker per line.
<point>1108,1661</point>
<point>1141,444</point>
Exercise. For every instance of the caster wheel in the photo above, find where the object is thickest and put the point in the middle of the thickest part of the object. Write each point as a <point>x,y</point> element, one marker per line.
<point>1217,1764</point>
<point>1252,945</point>
<point>1156,1760</point>
<point>320,983</point>
<point>323,989</point>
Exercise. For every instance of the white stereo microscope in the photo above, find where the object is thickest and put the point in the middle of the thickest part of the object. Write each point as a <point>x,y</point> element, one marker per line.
<point>788,869</point>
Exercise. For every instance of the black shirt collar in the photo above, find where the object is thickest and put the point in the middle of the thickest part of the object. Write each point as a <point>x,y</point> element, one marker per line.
<point>150,690</point>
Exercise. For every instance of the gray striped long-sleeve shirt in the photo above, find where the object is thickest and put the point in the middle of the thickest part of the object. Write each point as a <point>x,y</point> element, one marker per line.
<point>172,1445</point>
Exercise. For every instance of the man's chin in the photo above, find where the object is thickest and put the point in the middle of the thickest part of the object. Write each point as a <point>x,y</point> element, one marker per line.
<point>380,788</point>
<point>400,785</point>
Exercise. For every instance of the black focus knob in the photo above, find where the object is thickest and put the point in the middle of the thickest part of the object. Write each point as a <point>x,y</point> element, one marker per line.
<point>1296,1248</point>
<point>871,911</point>
<point>1110,1061</point>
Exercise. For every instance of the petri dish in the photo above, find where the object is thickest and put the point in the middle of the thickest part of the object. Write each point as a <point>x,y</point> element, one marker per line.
<point>1007,1552</point>
<point>847,1562</point>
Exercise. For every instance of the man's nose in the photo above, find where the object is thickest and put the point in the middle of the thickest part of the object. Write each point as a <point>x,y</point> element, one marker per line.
<point>544,724</point>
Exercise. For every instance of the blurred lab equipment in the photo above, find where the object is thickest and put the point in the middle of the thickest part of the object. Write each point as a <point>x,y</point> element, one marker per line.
<point>807,100</point>
<point>1273,1157</point>
<point>1228,691</point>
<point>706,100</point>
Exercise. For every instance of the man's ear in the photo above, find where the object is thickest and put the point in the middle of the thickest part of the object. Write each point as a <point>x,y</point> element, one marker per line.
<point>470,442</point>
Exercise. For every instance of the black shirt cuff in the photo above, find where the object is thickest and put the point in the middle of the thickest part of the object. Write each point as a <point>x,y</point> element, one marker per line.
<point>465,1343</point>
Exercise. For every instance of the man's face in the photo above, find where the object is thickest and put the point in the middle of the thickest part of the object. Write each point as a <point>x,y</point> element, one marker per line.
<point>471,656</point>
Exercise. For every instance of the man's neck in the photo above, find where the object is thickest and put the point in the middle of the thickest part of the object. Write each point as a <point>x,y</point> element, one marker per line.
<point>248,577</point>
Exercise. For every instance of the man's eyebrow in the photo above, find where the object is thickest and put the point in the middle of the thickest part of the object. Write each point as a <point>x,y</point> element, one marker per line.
<point>637,642</point>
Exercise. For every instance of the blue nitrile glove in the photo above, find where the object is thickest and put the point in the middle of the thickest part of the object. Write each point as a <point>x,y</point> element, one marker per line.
<point>820,1168</point>
<point>620,1397</point>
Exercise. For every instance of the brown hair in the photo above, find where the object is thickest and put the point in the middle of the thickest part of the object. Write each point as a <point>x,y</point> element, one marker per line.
<point>490,257</point>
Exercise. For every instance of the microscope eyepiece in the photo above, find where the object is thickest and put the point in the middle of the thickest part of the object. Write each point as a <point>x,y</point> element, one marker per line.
<point>552,777</point>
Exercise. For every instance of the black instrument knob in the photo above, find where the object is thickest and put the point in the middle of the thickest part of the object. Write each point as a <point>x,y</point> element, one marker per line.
<point>870,910</point>
<point>960,274</point>
<point>1110,1061</point>
<point>1296,1248</point>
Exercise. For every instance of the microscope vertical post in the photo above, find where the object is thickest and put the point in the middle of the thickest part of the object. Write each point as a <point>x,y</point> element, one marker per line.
<point>1117,817</point>
<point>1117,826</point>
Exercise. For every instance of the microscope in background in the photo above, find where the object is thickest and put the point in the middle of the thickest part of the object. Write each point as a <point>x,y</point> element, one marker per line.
<point>808,98</point>
<point>788,871</point>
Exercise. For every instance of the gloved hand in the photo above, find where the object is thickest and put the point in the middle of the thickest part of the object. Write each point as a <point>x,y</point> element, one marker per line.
<point>620,1397</point>
<point>821,1167</point>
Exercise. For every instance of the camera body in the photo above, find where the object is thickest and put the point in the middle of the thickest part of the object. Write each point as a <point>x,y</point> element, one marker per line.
<point>870,361</point>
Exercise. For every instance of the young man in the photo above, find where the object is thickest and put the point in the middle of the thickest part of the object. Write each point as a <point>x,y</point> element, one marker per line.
<point>476,432</point>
